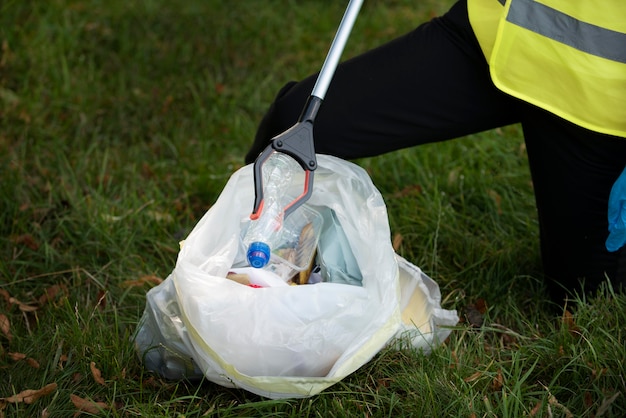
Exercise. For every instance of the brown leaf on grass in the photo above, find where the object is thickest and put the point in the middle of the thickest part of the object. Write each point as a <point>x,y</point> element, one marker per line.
<point>63,358</point>
<point>498,381</point>
<point>167,103</point>
<point>152,382</point>
<point>31,395</point>
<point>535,409</point>
<point>473,377</point>
<point>508,340</point>
<point>97,375</point>
<point>17,356</point>
<point>23,306</point>
<point>143,280</point>
<point>455,360</point>
<point>408,191</point>
<point>32,362</point>
<point>481,306</point>
<point>5,326</point>
<point>85,405</point>
<point>102,299</point>
<point>5,295</point>
<point>146,171</point>
<point>21,356</point>
<point>596,373</point>
<point>26,239</point>
<point>554,402</point>
<point>568,321</point>
<point>397,241</point>
<point>51,293</point>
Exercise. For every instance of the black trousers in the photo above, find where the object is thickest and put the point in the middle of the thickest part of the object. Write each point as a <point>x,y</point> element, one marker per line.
<point>433,84</point>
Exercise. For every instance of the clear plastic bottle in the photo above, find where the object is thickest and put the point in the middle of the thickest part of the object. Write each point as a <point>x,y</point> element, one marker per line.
<point>264,233</point>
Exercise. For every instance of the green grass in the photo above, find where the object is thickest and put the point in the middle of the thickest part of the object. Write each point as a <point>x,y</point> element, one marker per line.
<point>120,123</point>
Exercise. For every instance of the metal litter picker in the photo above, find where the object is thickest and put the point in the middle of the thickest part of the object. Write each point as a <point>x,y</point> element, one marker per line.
<point>297,141</point>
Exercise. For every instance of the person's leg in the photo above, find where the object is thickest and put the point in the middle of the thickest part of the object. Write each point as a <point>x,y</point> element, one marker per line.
<point>573,170</point>
<point>430,85</point>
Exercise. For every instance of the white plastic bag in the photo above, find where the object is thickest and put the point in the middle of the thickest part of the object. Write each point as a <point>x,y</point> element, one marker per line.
<point>291,341</point>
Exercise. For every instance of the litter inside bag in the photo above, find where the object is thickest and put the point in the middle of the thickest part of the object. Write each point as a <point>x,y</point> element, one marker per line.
<point>335,258</point>
<point>299,239</point>
<point>283,341</point>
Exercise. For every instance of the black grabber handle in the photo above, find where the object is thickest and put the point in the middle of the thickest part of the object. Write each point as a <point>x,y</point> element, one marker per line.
<point>297,141</point>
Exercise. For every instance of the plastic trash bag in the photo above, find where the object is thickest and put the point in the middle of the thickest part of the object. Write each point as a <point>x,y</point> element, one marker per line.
<point>288,341</point>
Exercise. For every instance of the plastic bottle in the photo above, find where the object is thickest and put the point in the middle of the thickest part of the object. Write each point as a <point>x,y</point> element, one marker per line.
<point>264,233</point>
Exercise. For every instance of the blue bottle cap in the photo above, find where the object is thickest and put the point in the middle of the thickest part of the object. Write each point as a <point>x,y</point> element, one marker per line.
<point>258,254</point>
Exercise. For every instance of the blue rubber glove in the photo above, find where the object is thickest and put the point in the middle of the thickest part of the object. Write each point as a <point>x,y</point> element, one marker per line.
<point>617,214</point>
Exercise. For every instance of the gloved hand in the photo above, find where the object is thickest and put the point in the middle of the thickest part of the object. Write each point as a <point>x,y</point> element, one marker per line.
<point>617,214</point>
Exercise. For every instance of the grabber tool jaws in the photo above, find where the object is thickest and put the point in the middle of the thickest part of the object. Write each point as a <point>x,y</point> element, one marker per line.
<point>297,141</point>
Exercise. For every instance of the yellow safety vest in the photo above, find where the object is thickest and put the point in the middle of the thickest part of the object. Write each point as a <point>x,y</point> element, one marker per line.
<point>565,56</point>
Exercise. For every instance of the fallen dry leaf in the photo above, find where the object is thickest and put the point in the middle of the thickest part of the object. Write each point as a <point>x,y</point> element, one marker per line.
<point>473,377</point>
<point>5,326</point>
<point>51,293</point>
<point>32,362</point>
<point>23,306</point>
<point>384,382</point>
<point>95,372</point>
<point>455,360</point>
<point>17,356</point>
<point>554,402</point>
<point>481,306</point>
<point>21,356</point>
<point>498,381</point>
<point>102,299</point>
<point>397,241</point>
<point>535,409</point>
<point>408,191</point>
<point>568,321</point>
<point>31,395</point>
<point>143,280</point>
<point>5,295</point>
<point>26,239</point>
<point>85,405</point>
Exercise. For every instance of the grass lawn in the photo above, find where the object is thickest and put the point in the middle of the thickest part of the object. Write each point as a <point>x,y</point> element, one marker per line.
<point>120,123</point>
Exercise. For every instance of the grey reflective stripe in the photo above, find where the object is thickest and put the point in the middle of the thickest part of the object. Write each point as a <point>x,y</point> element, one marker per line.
<point>558,26</point>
